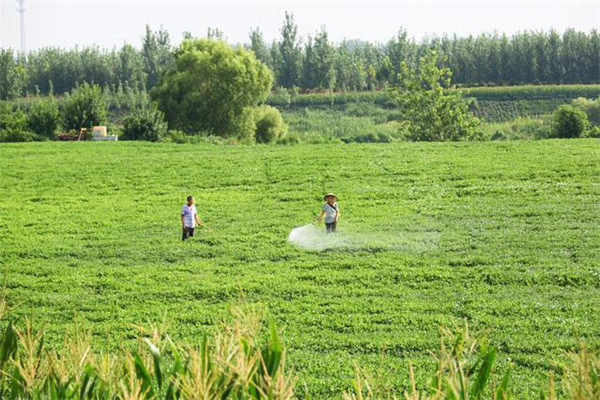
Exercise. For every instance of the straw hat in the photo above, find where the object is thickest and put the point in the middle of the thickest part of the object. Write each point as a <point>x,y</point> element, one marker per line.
<point>329,194</point>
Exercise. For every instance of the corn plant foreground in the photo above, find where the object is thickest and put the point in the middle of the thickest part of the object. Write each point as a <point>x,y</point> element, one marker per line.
<point>503,235</point>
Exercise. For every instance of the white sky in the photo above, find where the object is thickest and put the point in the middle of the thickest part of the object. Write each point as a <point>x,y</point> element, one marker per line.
<point>110,23</point>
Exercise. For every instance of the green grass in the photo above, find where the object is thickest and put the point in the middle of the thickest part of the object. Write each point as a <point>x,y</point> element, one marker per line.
<point>503,234</point>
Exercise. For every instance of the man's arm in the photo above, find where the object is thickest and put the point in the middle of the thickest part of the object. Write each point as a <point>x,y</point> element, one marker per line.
<point>337,214</point>
<point>182,223</point>
<point>198,221</point>
<point>320,217</point>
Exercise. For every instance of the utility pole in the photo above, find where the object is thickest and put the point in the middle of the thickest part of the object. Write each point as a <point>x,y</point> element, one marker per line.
<point>21,11</point>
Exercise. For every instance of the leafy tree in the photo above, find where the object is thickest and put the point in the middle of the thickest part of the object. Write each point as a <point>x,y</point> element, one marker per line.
<point>84,107</point>
<point>145,124</point>
<point>569,122</point>
<point>430,111</point>
<point>13,124</point>
<point>291,54</point>
<point>44,117</point>
<point>213,88</point>
<point>324,55</point>
<point>309,67</point>
<point>12,75</point>
<point>269,124</point>
<point>157,54</point>
<point>259,47</point>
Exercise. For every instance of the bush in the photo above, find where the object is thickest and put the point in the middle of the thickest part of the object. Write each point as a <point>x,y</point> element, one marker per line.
<point>145,124</point>
<point>13,125</point>
<point>569,122</point>
<point>84,107</point>
<point>44,118</point>
<point>269,124</point>
<point>590,107</point>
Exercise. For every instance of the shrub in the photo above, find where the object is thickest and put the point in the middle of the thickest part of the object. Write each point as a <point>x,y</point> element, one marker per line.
<point>43,118</point>
<point>13,125</point>
<point>145,124</point>
<point>269,124</point>
<point>590,107</point>
<point>569,122</point>
<point>84,107</point>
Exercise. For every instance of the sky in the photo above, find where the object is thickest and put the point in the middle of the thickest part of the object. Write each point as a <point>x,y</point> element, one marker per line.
<point>112,23</point>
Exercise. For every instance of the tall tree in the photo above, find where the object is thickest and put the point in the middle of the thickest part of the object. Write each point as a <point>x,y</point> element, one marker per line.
<point>291,54</point>
<point>259,47</point>
<point>324,58</point>
<point>12,75</point>
<point>157,54</point>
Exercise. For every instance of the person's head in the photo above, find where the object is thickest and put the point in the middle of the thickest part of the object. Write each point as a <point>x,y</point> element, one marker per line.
<point>330,198</point>
<point>190,200</point>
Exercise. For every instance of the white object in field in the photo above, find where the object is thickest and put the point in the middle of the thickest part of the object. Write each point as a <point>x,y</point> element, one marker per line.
<point>308,237</point>
<point>113,138</point>
<point>98,131</point>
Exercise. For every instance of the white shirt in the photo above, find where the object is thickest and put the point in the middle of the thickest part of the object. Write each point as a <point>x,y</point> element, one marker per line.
<point>188,215</point>
<point>330,212</point>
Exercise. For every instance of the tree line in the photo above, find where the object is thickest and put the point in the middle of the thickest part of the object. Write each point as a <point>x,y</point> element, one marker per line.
<point>315,63</point>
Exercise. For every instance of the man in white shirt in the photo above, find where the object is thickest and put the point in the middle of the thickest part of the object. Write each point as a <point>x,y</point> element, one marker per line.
<point>189,216</point>
<point>331,211</point>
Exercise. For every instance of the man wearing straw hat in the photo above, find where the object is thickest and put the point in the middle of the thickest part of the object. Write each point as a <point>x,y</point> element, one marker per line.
<point>331,211</point>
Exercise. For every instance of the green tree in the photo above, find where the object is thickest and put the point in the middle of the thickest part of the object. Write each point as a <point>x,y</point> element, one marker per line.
<point>324,52</point>
<point>145,124</point>
<point>157,54</point>
<point>43,117</point>
<point>213,89</point>
<point>12,75</point>
<point>289,70</point>
<point>84,107</point>
<point>569,122</point>
<point>13,124</point>
<point>430,111</point>
<point>259,47</point>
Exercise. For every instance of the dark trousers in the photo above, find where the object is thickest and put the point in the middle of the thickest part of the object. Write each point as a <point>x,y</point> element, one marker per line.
<point>330,226</point>
<point>187,232</point>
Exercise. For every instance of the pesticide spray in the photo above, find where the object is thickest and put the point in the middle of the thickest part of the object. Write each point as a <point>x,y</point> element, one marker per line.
<point>311,237</point>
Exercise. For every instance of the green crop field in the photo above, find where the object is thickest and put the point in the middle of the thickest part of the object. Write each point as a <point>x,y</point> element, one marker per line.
<point>503,234</point>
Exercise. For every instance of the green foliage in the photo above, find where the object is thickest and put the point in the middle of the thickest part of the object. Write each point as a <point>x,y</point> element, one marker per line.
<point>517,129</point>
<point>12,75</point>
<point>581,375</point>
<point>503,234</point>
<point>270,126</point>
<point>323,125</point>
<point>212,88</point>
<point>429,111</point>
<point>84,107</point>
<point>288,60</point>
<point>230,363</point>
<point>569,122</point>
<point>44,117</point>
<point>590,107</point>
<point>145,124</point>
<point>13,124</point>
